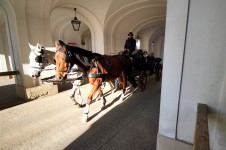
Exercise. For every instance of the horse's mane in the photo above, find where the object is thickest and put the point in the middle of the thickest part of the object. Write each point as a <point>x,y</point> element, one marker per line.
<point>83,52</point>
<point>84,56</point>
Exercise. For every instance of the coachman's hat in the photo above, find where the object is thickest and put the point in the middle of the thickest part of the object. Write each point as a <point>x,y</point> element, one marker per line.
<point>130,33</point>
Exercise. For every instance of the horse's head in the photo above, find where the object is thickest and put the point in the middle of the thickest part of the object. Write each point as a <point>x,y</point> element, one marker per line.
<point>36,60</point>
<point>63,58</point>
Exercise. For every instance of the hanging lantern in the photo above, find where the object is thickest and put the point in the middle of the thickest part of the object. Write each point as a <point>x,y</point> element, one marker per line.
<point>75,22</point>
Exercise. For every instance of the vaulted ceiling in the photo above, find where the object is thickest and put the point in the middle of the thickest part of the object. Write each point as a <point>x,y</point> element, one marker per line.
<point>112,18</point>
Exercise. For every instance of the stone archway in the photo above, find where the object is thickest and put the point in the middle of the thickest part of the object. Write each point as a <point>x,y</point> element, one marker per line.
<point>9,57</point>
<point>5,57</point>
<point>8,41</point>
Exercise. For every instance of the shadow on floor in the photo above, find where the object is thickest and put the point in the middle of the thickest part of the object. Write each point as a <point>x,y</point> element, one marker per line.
<point>131,125</point>
<point>9,97</point>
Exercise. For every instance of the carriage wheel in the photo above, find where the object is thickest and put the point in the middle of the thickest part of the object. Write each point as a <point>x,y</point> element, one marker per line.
<point>158,73</point>
<point>142,81</point>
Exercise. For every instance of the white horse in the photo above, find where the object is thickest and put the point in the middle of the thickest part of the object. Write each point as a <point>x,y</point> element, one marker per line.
<point>42,66</point>
<point>41,59</point>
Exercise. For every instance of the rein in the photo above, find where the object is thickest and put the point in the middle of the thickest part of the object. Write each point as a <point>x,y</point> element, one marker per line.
<point>43,68</point>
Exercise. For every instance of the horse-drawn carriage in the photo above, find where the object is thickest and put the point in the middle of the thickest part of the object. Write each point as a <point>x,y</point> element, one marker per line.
<point>102,68</point>
<point>143,66</point>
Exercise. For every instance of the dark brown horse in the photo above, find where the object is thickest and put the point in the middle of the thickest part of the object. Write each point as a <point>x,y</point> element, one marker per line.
<point>98,68</point>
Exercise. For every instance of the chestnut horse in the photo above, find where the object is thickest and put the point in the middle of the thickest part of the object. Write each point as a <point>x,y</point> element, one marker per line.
<point>98,68</point>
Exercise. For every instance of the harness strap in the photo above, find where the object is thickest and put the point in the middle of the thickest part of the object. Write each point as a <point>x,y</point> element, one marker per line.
<point>102,75</point>
<point>97,75</point>
<point>35,67</point>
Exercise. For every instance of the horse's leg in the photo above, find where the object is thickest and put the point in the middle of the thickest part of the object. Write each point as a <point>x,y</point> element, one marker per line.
<point>74,88</point>
<point>100,91</point>
<point>79,97</point>
<point>88,102</point>
<point>102,86</point>
<point>120,82</point>
<point>123,82</point>
<point>116,84</point>
<point>112,87</point>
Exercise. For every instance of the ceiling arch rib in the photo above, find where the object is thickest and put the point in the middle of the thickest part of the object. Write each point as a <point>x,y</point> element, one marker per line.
<point>133,17</point>
<point>157,34</point>
<point>117,18</point>
<point>139,15</point>
<point>61,25</point>
<point>118,9</point>
<point>147,23</point>
<point>88,20</point>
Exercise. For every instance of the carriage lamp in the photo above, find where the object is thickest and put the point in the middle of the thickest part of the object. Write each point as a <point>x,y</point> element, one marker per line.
<point>75,22</point>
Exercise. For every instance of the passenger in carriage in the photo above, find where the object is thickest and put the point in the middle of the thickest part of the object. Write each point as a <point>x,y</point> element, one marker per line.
<point>130,44</point>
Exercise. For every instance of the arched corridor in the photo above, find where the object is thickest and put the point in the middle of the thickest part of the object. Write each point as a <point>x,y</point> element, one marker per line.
<point>188,35</point>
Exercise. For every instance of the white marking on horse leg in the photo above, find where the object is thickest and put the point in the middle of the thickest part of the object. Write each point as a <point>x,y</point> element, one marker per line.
<point>79,95</point>
<point>85,115</point>
<point>87,109</point>
<point>74,88</point>
<point>80,100</point>
<point>85,118</point>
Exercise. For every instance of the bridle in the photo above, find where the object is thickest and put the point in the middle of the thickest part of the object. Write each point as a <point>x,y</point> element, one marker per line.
<point>67,55</point>
<point>39,59</point>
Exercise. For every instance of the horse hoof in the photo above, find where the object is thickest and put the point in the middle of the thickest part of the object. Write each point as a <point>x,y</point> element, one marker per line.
<point>85,119</point>
<point>73,100</point>
<point>102,108</point>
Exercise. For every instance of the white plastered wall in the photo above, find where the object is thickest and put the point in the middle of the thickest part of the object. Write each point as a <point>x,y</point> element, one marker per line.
<point>194,70</point>
<point>173,58</point>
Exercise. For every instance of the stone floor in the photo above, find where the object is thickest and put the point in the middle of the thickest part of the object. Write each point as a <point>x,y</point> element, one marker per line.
<point>8,96</point>
<point>55,123</point>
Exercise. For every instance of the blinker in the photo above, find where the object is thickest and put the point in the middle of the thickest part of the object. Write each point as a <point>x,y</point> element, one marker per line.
<point>39,59</point>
